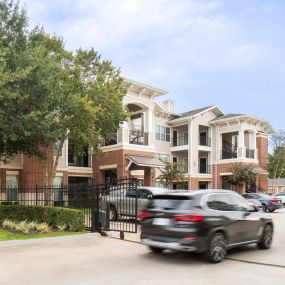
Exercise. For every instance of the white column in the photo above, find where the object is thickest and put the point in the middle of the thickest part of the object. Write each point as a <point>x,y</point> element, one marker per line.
<point>241,145</point>
<point>189,147</point>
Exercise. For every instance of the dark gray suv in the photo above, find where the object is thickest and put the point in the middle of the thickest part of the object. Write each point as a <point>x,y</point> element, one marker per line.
<point>208,221</point>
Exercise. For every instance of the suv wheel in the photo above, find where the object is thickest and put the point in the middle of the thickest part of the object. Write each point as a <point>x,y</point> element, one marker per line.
<point>272,210</point>
<point>156,249</point>
<point>217,248</point>
<point>264,207</point>
<point>267,236</point>
<point>113,215</point>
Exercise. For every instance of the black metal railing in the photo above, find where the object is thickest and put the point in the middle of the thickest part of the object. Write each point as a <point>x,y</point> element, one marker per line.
<point>111,141</point>
<point>182,167</point>
<point>110,206</point>
<point>179,141</point>
<point>229,150</point>
<point>205,141</point>
<point>250,153</point>
<point>205,168</point>
<point>138,137</point>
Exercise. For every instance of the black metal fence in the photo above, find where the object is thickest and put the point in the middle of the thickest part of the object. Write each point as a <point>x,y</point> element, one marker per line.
<point>111,206</point>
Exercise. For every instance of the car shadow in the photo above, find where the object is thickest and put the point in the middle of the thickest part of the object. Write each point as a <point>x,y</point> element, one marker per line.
<point>168,256</point>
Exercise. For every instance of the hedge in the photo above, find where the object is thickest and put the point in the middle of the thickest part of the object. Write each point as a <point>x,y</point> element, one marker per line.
<point>53,216</point>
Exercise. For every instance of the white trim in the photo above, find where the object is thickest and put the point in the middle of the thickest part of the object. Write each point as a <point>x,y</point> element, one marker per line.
<point>109,166</point>
<point>12,172</point>
<point>226,173</point>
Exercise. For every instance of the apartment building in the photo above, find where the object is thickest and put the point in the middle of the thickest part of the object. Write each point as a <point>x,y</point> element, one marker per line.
<point>205,140</point>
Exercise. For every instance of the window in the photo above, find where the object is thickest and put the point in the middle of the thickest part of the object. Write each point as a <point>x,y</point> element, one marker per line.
<point>163,156</point>
<point>162,133</point>
<point>12,187</point>
<point>221,202</point>
<point>240,203</point>
<point>145,194</point>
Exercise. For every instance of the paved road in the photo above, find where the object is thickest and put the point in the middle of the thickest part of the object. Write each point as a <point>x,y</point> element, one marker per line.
<point>112,261</point>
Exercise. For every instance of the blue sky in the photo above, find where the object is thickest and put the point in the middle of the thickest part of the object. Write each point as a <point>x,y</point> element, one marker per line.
<point>225,52</point>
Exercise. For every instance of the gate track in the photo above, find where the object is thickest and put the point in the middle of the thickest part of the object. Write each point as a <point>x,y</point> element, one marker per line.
<point>228,258</point>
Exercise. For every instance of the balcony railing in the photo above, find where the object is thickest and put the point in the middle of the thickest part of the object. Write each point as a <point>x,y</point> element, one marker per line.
<point>205,141</point>
<point>204,168</point>
<point>111,141</point>
<point>250,153</point>
<point>228,154</point>
<point>138,137</point>
<point>179,141</point>
<point>182,167</point>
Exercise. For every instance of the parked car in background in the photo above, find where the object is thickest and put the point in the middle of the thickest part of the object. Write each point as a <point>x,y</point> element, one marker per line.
<point>255,203</point>
<point>208,221</point>
<point>281,195</point>
<point>269,203</point>
<point>123,202</point>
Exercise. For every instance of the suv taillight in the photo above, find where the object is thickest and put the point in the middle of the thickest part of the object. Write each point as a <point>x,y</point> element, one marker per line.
<point>188,218</point>
<point>144,215</point>
<point>274,201</point>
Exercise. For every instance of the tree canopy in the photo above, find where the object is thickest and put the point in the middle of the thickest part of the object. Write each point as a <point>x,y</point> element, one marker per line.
<point>48,93</point>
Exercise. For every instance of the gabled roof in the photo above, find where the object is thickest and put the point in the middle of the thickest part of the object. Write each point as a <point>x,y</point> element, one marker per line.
<point>193,113</point>
<point>227,116</point>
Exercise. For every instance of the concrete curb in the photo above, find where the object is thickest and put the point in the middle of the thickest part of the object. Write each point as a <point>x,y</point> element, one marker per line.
<point>12,243</point>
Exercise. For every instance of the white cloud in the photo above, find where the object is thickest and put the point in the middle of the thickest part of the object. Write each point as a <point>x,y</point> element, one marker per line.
<point>149,39</point>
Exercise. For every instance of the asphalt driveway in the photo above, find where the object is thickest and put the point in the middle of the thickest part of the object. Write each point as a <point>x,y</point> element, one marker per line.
<point>102,260</point>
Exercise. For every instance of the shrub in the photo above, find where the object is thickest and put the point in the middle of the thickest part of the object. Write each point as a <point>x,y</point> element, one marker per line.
<point>26,227</point>
<point>52,216</point>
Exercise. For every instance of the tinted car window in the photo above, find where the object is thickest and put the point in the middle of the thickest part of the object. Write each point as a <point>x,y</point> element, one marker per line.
<point>240,204</point>
<point>131,193</point>
<point>220,202</point>
<point>170,202</point>
<point>254,196</point>
<point>144,194</point>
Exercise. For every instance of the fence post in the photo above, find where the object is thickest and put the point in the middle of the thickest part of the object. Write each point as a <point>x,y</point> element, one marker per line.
<point>95,211</point>
<point>36,194</point>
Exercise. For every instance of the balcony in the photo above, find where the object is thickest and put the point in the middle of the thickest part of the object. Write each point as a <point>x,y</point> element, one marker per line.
<point>111,141</point>
<point>83,160</point>
<point>182,167</point>
<point>229,150</point>
<point>138,137</point>
<point>205,168</point>
<point>204,141</point>
<point>179,141</point>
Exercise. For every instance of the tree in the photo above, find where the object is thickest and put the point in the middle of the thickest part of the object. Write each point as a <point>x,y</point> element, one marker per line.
<point>49,94</point>
<point>276,166</point>
<point>241,175</point>
<point>170,173</point>
<point>25,111</point>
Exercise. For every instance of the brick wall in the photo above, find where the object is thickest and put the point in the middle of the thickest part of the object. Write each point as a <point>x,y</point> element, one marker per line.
<point>118,157</point>
<point>36,171</point>
<point>262,146</point>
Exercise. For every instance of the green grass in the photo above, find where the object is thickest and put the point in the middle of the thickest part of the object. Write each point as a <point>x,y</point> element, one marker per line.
<point>6,235</point>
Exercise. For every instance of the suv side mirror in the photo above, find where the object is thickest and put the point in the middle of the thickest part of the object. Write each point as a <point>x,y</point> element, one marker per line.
<point>149,196</point>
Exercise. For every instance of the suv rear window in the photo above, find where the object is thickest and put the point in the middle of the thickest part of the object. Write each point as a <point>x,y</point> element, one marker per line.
<point>168,202</point>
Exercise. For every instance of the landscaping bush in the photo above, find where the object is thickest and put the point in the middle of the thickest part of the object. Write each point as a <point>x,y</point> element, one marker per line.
<point>26,227</point>
<point>72,219</point>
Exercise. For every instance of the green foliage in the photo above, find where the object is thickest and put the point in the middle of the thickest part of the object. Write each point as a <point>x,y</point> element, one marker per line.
<point>26,227</point>
<point>241,174</point>
<point>276,165</point>
<point>53,216</point>
<point>48,94</point>
<point>172,172</point>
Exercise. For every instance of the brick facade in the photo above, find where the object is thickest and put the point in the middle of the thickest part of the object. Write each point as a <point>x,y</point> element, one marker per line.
<point>119,158</point>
